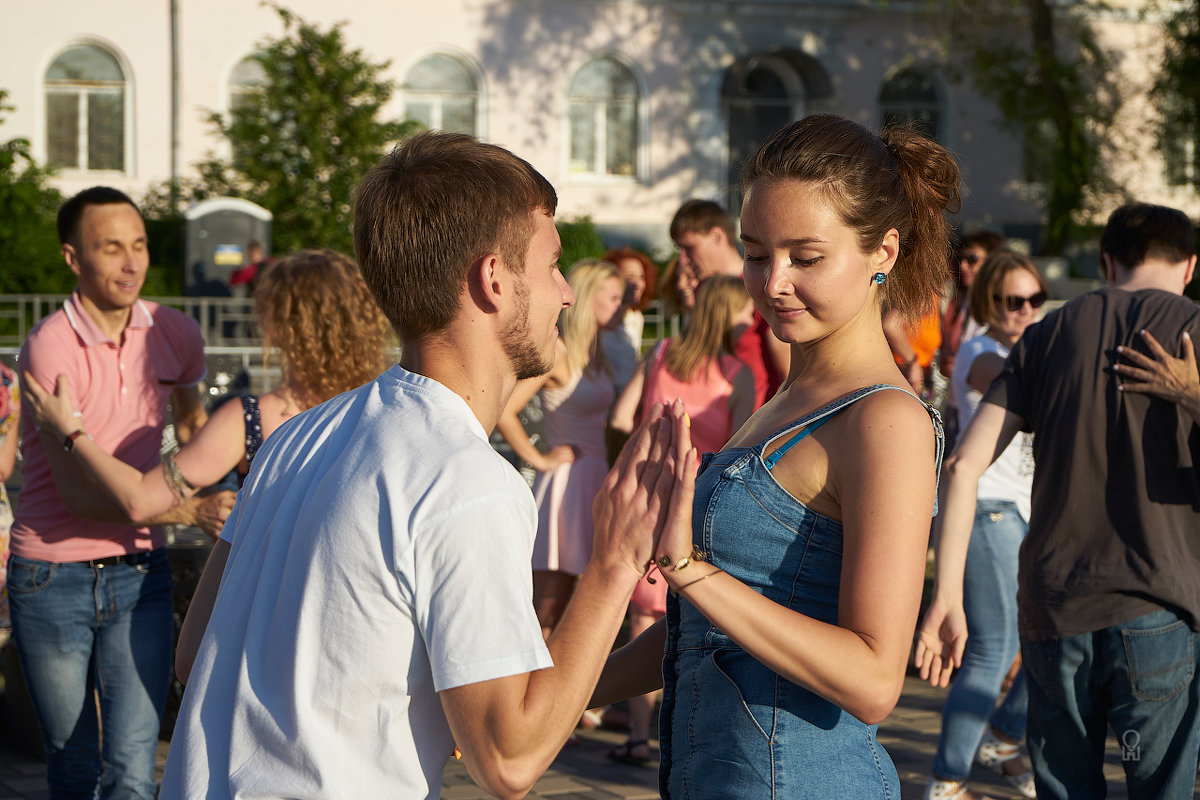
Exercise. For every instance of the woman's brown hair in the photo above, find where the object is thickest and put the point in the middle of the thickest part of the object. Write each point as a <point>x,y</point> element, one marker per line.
<point>899,179</point>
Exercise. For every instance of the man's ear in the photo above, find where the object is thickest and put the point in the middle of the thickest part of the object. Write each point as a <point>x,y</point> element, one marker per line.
<point>489,283</point>
<point>70,256</point>
<point>1110,268</point>
<point>1191,269</point>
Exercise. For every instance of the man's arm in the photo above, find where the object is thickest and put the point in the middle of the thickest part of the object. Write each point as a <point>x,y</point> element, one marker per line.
<point>1173,379</point>
<point>943,633</point>
<point>510,729</point>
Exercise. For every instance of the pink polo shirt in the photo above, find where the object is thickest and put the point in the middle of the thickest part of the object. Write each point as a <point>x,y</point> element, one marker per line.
<point>122,392</point>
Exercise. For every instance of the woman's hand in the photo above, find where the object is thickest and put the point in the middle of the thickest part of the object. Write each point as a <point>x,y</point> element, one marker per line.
<point>55,412</point>
<point>942,637</point>
<point>555,457</point>
<point>676,539</point>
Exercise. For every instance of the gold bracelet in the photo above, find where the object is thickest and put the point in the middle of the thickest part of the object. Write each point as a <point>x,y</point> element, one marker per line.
<point>702,577</point>
<point>665,561</point>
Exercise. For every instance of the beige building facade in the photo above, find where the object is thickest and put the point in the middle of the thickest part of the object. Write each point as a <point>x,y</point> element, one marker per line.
<point>627,106</point>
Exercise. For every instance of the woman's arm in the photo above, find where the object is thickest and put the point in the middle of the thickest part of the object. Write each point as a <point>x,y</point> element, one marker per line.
<point>859,663</point>
<point>633,670</point>
<point>513,431</point>
<point>126,492</point>
<point>625,409</point>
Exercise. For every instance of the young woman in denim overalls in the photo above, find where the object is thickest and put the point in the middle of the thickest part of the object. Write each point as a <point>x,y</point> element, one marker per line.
<point>797,575</point>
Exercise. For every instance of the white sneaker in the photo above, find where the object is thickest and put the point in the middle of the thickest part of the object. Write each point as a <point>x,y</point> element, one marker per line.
<point>994,753</point>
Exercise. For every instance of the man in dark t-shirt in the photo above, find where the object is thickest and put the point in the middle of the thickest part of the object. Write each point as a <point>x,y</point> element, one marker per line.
<point>1109,580</point>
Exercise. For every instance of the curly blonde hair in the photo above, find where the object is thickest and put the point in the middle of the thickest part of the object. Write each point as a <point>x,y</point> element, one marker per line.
<point>315,307</point>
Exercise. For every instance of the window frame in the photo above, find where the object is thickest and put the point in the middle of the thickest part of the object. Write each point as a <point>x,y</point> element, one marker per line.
<point>83,90</point>
<point>600,125</point>
<point>435,98</point>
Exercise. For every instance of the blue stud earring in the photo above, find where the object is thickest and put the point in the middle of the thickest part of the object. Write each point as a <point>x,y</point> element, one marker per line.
<point>880,278</point>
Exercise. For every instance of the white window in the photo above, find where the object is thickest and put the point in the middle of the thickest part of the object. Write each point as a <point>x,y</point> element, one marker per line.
<point>602,108</point>
<point>85,111</point>
<point>761,95</point>
<point>911,97</point>
<point>247,77</point>
<point>441,93</point>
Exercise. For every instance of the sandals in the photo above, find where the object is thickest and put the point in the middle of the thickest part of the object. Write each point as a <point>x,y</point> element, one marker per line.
<point>994,753</point>
<point>949,790</point>
<point>623,754</point>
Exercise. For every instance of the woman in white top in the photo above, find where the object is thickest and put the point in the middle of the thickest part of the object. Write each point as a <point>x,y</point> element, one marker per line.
<point>1005,297</point>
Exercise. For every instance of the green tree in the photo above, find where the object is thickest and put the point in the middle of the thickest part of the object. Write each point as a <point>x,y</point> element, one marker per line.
<point>1040,62</point>
<point>28,205</point>
<point>303,139</point>
<point>1178,92</point>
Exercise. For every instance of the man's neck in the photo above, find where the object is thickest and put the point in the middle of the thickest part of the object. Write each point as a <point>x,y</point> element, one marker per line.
<point>111,322</point>
<point>1150,274</point>
<point>471,374</point>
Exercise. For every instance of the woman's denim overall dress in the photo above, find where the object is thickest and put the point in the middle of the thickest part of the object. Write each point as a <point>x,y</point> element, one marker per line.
<point>731,727</point>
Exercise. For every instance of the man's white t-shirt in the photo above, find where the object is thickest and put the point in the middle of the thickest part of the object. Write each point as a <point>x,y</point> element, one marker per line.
<point>380,554</point>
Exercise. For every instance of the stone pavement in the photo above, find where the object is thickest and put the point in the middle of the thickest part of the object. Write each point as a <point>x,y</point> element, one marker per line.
<point>909,734</point>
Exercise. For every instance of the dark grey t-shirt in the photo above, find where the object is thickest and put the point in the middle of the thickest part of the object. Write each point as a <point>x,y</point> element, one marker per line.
<point>1115,528</point>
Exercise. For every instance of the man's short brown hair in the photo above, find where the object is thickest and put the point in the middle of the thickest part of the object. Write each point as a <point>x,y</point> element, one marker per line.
<point>701,216</point>
<point>432,208</point>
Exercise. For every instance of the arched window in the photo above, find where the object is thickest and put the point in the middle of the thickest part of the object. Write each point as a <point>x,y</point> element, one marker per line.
<point>602,105</point>
<point>911,97</point>
<point>441,93</point>
<point>85,110</point>
<point>245,79</point>
<point>761,95</point>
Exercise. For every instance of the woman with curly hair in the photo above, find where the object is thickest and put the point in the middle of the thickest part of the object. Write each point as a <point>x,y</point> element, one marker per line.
<point>315,308</point>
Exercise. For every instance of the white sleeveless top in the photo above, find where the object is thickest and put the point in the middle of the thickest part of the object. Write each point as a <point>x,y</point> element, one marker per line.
<point>1010,477</point>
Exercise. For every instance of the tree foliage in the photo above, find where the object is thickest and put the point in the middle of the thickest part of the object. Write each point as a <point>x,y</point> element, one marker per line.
<point>303,138</point>
<point>28,206</point>
<point>1178,92</point>
<point>1040,63</point>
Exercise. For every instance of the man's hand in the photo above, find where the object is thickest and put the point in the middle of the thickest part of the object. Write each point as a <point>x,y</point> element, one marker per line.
<point>630,509</point>
<point>942,640</point>
<point>1173,379</point>
<point>211,511</point>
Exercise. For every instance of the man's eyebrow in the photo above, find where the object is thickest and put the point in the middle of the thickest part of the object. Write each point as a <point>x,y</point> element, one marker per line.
<point>803,240</point>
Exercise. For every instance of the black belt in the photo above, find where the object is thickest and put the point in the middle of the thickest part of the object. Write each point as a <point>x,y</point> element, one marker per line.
<point>130,559</point>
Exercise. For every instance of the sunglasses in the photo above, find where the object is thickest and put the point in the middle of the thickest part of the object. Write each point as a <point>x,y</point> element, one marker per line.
<point>1015,302</point>
<point>972,258</point>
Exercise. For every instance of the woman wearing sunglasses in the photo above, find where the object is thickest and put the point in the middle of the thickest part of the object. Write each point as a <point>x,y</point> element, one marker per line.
<point>957,323</point>
<point>1005,297</point>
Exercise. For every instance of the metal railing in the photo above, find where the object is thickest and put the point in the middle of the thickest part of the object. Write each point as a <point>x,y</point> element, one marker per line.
<point>228,323</point>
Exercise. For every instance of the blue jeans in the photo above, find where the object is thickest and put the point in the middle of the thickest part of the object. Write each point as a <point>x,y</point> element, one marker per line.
<point>990,602</point>
<point>1138,679</point>
<point>80,628</point>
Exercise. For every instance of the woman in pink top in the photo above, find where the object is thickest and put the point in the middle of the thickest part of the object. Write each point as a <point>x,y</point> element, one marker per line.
<point>718,393</point>
<point>577,395</point>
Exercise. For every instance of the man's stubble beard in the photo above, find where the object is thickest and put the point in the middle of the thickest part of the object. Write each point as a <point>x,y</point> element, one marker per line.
<point>523,354</point>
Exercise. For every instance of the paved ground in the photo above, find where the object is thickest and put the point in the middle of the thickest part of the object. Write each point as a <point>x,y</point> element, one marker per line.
<point>910,735</point>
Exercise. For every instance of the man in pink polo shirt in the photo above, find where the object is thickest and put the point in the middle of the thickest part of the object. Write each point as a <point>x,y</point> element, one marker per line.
<point>91,601</point>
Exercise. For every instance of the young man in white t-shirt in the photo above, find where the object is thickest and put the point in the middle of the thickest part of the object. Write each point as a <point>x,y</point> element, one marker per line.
<point>375,608</point>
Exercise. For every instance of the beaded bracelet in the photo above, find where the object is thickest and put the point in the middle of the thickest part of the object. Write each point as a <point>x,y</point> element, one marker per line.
<point>178,484</point>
